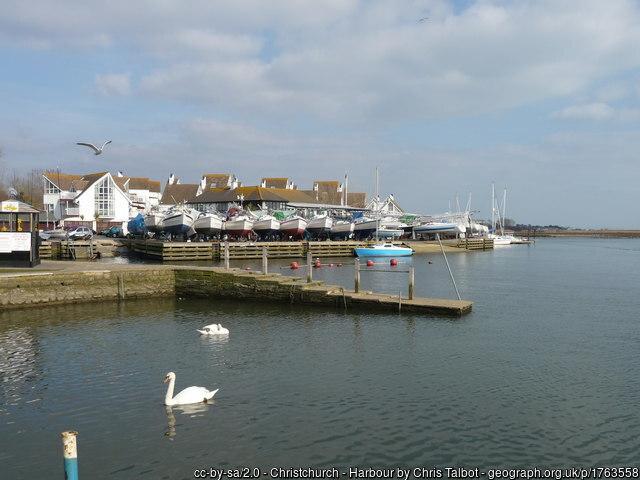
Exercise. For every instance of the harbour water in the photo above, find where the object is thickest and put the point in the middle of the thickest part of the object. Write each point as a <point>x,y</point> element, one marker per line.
<point>543,373</point>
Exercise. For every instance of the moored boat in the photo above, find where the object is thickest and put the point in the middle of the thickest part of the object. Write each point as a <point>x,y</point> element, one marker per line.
<point>383,250</point>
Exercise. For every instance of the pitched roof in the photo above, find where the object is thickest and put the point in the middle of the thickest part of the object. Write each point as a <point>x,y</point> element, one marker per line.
<point>275,182</point>
<point>217,181</point>
<point>252,194</point>
<point>177,193</point>
<point>62,180</point>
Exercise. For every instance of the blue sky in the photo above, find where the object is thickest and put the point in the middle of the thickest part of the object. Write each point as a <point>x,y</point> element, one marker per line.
<point>541,97</point>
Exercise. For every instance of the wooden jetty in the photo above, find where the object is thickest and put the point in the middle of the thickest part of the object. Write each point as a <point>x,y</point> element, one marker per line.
<point>186,251</point>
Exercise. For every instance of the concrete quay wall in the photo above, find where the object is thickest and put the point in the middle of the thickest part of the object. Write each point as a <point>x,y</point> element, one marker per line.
<point>23,290</point>
<point>34,289</point>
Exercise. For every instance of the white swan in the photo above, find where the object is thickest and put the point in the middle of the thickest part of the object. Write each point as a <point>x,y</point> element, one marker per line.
<point>188,395</point>
<point>97,150</point>
<point>214,329</point>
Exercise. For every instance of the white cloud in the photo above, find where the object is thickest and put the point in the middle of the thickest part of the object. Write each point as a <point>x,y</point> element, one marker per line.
<point>113,84</point>
<point>593,111</point>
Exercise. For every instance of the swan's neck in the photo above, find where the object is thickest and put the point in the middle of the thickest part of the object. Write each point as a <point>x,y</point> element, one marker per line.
<point>168,399</point>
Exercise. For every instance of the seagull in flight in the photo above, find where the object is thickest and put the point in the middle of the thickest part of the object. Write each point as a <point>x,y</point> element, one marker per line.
<point>97,150</point>
<point>423,19</point>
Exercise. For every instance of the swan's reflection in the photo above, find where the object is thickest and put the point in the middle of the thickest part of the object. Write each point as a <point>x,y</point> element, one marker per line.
<point>215,339</point>
<point>193,410</point>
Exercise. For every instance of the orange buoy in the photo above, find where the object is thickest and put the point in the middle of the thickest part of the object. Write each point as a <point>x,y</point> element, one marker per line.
<point>369,263</point>
<point>294,265</point>
<point>393,262</point>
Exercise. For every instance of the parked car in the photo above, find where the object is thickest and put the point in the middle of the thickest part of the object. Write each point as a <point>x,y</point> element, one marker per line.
<point>80,233</point>
<point>115,231</point>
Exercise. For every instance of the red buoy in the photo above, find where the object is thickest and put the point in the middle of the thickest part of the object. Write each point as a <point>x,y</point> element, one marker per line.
<point>430,262</point>
<point>294,265</point>
<point>393,262</point>
<point>369,263</point>
<point>248,268</point>
<point>339,265</point>
<point>317,264</point>
<point>331,264</point>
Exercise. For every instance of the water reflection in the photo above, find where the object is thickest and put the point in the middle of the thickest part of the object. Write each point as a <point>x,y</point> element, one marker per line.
<point>194,410</point>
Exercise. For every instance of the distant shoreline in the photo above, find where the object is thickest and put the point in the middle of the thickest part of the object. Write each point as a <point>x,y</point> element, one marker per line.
<point>602,233</point>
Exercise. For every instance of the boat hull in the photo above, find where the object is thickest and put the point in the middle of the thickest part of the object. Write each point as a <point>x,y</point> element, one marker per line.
<point>295,227</point>
<point>383,250</point>
<point>177,223</point>
<point>341,230</point>
<point>238,227</point>
<point>319,226</point>
<point>153,222</point>
<point>365,229</point>
<point>267,227</point>
<point>208,225</point>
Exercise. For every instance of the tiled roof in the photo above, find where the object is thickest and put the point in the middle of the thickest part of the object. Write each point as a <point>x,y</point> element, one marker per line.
<point>178,193</point>
<point>256,194</point>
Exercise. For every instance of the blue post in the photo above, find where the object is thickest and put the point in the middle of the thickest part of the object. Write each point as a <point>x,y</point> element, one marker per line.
<point>70,451</point>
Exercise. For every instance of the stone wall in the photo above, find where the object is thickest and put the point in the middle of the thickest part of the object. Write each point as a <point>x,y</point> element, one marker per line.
<point>72,287</point>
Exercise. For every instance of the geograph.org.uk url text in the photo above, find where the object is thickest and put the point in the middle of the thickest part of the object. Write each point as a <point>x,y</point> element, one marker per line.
<point>419,473</point>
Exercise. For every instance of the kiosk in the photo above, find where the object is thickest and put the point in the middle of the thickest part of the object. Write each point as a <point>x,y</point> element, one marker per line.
<point>19,240</point>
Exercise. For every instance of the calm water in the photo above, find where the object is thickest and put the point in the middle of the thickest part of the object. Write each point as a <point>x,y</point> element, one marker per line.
<point>544,373</point>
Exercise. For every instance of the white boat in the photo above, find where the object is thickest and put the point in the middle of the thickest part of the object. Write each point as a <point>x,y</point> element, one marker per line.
<point>320,225</point>
<point>341,229</point>
<point>153,221</point>
<point>208,224</point>
<point>383,250</point>
<point>178,220</point>
<point>267,226</point>
<point>240,226</point>
<point>438,227</point>
<point>293,226</point>
<point>365,227</point>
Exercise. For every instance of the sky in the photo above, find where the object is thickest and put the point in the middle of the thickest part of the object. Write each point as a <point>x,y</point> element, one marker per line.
<point>442,97</point>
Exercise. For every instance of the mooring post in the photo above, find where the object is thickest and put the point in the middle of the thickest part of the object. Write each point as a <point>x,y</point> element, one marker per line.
<point>357,286</point>
<point>226,254</point>
<point>264,260</point>
<point>309,268</point>
<point>411,282</point>
<point>70,452</point>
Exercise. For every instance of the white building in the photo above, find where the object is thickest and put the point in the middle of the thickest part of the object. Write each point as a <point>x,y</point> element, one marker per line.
<point>100,197</point>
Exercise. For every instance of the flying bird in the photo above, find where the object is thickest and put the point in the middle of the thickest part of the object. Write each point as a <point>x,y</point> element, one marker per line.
<point>423,19</point>
<point>97,150</point>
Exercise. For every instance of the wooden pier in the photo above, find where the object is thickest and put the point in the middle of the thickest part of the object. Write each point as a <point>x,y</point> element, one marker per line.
<point>188,251</point>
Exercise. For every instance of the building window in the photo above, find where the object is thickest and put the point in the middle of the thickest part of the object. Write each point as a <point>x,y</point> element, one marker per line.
<point>104,198</point>
<point>50,187</point>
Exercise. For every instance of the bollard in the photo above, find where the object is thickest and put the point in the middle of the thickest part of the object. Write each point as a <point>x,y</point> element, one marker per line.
<point>70,451</point>
<point>226,255</point>
<point>264,259</point>
<point>357,285</point>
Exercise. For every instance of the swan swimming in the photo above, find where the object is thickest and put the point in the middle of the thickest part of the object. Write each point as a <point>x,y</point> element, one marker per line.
<point>214,329</point>
<point>97,150</point>
<point>188,395</point>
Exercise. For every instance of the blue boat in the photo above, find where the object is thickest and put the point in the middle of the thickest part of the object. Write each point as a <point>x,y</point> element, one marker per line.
<point>383,250</point>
